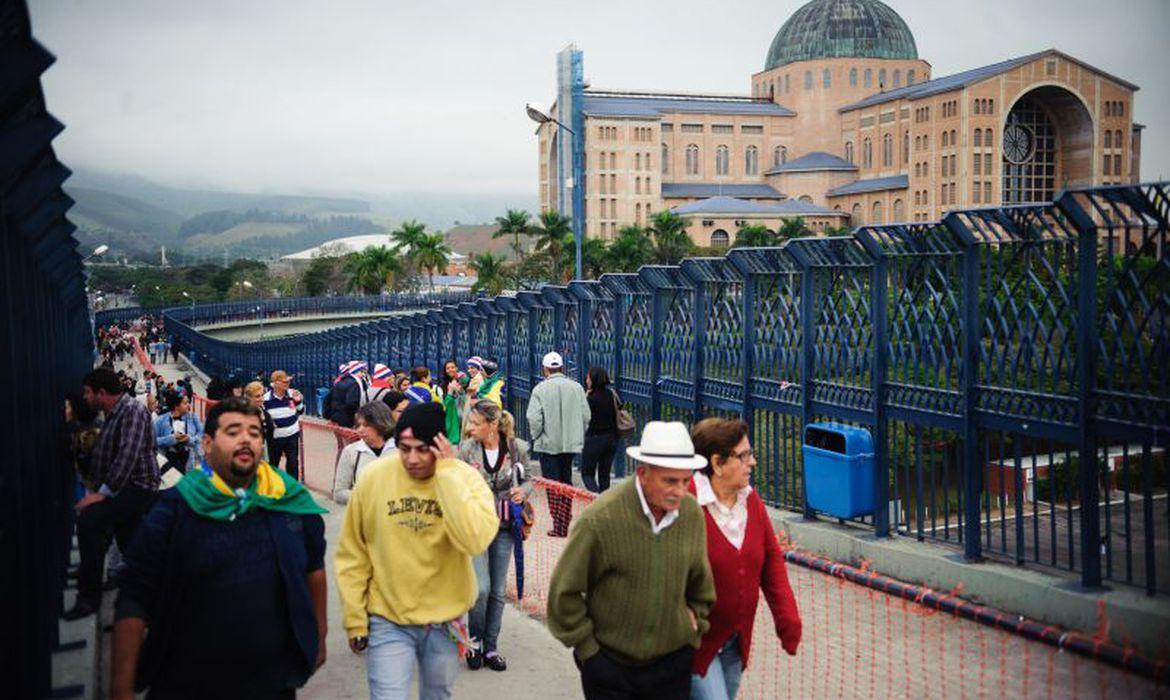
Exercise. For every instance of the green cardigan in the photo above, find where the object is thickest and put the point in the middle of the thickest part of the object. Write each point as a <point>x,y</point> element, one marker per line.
<point>620,586</point>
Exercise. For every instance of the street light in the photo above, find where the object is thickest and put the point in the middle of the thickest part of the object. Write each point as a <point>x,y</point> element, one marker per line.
<point>97,252</point>
<point>192,319</point>
<point>539,115</point>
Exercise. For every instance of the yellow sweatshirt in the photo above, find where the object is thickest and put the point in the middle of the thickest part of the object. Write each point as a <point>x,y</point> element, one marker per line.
<point>406,545</point>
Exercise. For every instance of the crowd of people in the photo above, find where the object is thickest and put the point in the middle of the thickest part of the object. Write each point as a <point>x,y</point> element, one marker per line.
<point>655,591</point>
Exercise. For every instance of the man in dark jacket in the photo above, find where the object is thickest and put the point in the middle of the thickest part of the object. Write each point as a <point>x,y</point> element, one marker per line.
<point>343,400</point>
<point>227,572</point>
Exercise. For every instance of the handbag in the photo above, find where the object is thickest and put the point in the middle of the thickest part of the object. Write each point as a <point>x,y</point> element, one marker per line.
<point>626,425</point>
<point>527,513</point>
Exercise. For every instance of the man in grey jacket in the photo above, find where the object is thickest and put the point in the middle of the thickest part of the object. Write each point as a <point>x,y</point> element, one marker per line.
<point>558,414</point>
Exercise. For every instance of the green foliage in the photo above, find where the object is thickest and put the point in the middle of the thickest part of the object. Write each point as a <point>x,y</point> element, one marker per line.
<point>372,269</point>
<point>550,237</point>
<point>491,273</point>
<point>515,223</point>
<point>792,228</point>
<point>753,236</point>
<point>671,241</point>
<point>432,253</point>
<point>324,274</point>
<point>631,249</point>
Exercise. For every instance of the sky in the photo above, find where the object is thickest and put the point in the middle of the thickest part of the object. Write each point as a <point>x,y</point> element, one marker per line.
<point>373,98</point>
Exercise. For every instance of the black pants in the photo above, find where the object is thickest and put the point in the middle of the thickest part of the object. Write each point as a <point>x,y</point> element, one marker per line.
<point>559,467</point>
<point>116,516</point>
<point>597,461</point>
<point>668,677</point>
<point>290,448</point>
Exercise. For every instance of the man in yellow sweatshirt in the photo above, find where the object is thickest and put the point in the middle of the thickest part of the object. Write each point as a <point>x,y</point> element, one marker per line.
<point>415,520</point>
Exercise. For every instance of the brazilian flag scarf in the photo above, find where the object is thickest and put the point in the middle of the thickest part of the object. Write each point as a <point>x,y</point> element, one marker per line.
<point>272,489</point>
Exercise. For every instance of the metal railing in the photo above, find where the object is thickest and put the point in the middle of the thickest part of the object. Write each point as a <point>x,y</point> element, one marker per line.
<point>1011,363</point>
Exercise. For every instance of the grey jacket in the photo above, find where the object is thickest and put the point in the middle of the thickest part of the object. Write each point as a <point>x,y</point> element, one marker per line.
<point>471,452</point>
<point>350,463</point>
<point>558,414</point>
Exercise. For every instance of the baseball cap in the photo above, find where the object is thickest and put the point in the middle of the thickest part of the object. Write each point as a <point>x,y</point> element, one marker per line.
<point>553,360</point>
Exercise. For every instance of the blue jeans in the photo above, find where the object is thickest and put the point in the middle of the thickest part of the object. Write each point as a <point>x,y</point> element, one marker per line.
<point>393,651</point>
<point>722,679</point>
<point>491,573</point>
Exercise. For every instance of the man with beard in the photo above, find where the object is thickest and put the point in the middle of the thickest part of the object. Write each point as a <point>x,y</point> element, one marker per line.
<point>227,572</point>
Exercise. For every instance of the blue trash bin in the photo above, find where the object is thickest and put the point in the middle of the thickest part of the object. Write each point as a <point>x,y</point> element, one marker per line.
<point>838,469</point>
<point>322,392</point>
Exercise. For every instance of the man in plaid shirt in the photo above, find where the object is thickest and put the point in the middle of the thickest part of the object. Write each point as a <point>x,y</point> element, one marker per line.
<point>124,464</point>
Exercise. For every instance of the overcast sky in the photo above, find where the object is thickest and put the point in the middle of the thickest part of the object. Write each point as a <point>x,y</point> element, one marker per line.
<point>350,97</point>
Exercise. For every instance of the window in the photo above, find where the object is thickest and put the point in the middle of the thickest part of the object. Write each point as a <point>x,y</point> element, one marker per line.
<point>918,170</point>
<point>978,140</point>
<point>977,162</point>
<point>1050,68</point>
<point>856,218</point>
<point>613,161</point>
<point>808,80</point>
<point>667,127</point>
<point>887,151</point>
<point>638,213</point>
<point>722,128</point>
<point>942,199</point>
<point>899,211</point>
<point>787,85</point>
<point>751,129</point>
<point>987,193</point>
<point>877,213</point>
<point>637,161</point>
<point>910,77</point>
<point>722,158</point>
<point>946,140</point>
<point>942,166</point>
<point>751,161</point>
<point>779,155</point>
<point>986,163</point>
<point>976,194</point>
<point>954,139</point>
<point>720,239</point>
<point>917,197</point>
<point>612,183</point>
<point>1117,164</point>
<point>867,154</point>
<point>637,185</point>
<point>954,187</point>
<point>868,77</point>
<point>827,78</point>
<point>882,79</point>
<point>665,159</point>
<point>954,163</point>
<point>849,151</point>
<point>987,138</point>
<point>897,83</point>
<point>852,77</point>
<point>692,159</point>
<point>692,128</point>
<point>601,184</point>
<point>918,143</point>
<point>905,146</point>
<point>1108,163</point>
<point>1117,143</point>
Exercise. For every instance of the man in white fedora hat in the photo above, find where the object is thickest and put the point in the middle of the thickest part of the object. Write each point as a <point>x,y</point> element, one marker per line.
<point>631,592</point>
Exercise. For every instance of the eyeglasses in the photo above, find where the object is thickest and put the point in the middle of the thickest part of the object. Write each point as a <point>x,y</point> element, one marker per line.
<point>743,456</point>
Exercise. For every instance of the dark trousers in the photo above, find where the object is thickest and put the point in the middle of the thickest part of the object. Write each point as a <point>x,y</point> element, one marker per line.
<point>597,460</point>
<point>604,677</point>
<point>116,516</point>
<point>559,467</point>
<point>290,448</point>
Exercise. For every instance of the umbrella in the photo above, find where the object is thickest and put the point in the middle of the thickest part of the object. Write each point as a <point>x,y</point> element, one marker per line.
<point>516,510</point>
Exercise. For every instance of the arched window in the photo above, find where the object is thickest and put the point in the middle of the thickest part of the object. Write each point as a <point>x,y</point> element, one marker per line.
<point>612,183</point>
<point>808,80</point>
<point>637,161</point>
<point>918,170</point>
<point>866,154</point>
<point>787,84</point>
<point>665,159</point>
<point>887,151</point>
<point>868,77</point>
<point>942,199</point>
<point>910,77</point>
<point>805,198</point>
<point>722,159</point>
<point>852,77</point>
<point>849,151</point>
<point>1117,143</point>
<point>720,239</point>
<point>692,159</point>
<point>954,139</point>
<point>827,78</point>
<point>946,140</point>
<point>751,161</point>
<point>877,214</point>
<point>917,198</point>
<point>613,161</point>
<point>857,219</point>
<point>899,211</point>
<point>601,184</point>
<point>638,213</point>
<point>637,185</point>
<point>882,79</point>
<point>905,146</point>
<point>1108,139</point>
<point>897,78</point>
<point>978,142</point>
<point>779,155</point>
<point>918,143</point>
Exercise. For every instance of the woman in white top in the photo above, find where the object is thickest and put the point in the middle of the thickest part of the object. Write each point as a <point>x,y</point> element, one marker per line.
<point>374,426</point>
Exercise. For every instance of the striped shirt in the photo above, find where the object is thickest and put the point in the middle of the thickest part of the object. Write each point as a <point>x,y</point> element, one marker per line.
<point>285,414</point>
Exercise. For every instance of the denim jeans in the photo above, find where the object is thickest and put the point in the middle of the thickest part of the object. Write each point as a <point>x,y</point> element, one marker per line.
<point>723,675</point>
<point>393,651</point>
<point>491,572</point>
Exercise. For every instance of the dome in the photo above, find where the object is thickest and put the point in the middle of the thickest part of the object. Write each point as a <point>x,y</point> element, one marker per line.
<point>840,29</point>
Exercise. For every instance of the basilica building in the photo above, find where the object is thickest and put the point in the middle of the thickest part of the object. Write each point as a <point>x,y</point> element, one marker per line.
<point>845,126</point>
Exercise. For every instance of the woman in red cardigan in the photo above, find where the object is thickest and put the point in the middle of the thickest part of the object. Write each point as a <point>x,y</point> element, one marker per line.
<point>745,559</point>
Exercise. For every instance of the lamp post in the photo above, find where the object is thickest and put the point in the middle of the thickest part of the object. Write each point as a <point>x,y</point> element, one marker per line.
<point>541,116</point>
<point>192,319</point>
<point>97,252</point>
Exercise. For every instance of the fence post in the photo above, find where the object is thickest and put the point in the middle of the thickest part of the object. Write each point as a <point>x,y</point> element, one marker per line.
<point>807,350</point>
<point>655,354</point>
<point>972,467</point>
<point>584,334</point>
<point>699,309</point>
<point>748,300</point>
<point>878,317</point>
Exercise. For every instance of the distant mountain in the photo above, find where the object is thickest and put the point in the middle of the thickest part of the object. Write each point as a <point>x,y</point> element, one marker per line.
<point>442,210</point>
<point>97,209</point>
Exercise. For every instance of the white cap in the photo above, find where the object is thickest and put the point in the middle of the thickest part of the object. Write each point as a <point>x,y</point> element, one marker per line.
<point>667,445</point>
<point>553,360</point>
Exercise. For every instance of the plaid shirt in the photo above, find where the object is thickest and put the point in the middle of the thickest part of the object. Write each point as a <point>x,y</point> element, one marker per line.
<point>124,454</point>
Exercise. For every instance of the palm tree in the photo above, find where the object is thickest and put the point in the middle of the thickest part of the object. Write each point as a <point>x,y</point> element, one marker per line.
<point>631,249</point>
<point>594,256</point>
<point>754,235</point>
<point>431,253</point>
<point>372,269</point>
<point>550,239</point>
<point>515,223</point>
<point>672,243</point>
<point>837,230</point>
<point>792,228</point>
<point>491,274</point>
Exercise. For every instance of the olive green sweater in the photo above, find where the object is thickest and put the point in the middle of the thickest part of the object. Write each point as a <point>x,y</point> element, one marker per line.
<point>619,585</point>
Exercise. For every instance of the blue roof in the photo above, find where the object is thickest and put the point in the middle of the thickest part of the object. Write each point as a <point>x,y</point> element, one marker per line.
<point>817,160</point>
<point>643,105</point>
<point>875,184</point>
<point>715,189</point>
<point>944,84</point>
<point>796,206</point>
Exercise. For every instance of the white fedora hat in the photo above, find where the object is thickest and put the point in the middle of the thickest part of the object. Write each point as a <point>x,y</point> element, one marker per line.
<point>667,445</point>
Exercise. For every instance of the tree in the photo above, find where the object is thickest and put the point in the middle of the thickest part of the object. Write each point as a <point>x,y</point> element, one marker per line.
<point>594,256</point>
<point>837,230</point>
<point>516,223</point>
<point>372,269</point>
<point>408,236</point>
<point>754,236</point>
<point>491,274</point>
<point>432,253</point>
<point>550,239</point>
<point>792,228</point>
<point>323,275</point>
<point>631,249</point>
<point>672,243</point>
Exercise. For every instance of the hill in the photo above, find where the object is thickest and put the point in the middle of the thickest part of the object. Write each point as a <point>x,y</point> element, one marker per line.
<point>94,209</point>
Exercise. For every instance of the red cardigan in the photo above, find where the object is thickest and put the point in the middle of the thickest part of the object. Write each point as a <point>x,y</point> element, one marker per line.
<point>740,575</point>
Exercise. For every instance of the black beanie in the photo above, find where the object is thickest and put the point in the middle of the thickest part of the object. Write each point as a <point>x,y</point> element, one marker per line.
<point>426,420</point>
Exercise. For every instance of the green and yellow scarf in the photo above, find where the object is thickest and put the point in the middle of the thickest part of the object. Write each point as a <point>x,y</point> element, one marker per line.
<point>272,489</point>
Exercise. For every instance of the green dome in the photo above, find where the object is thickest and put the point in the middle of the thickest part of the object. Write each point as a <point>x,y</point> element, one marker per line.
<point>841,29</point>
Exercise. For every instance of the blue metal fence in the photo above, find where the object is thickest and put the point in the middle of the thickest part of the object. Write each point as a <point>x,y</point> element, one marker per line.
<point>1012,364</point>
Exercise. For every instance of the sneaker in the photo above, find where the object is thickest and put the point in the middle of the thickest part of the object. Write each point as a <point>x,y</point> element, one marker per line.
<point>474,660</point>
<point>495,662</point>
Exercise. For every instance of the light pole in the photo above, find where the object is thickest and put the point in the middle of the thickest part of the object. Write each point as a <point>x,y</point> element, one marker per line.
<point>97,252</point>
<point>541,116</point>
<point>192,319</point>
